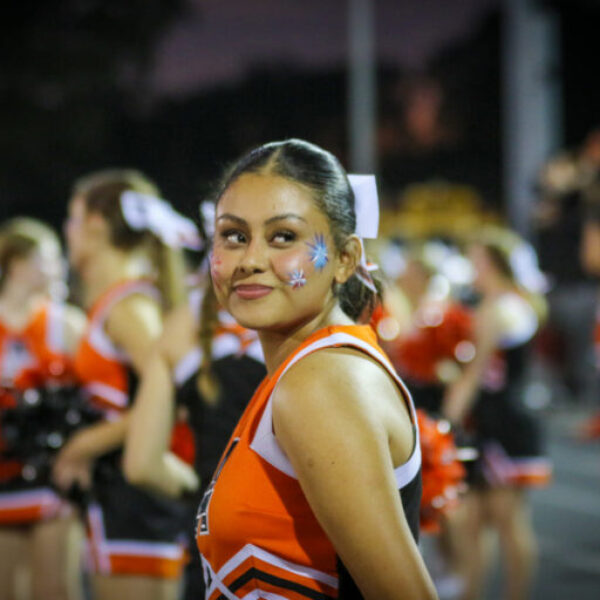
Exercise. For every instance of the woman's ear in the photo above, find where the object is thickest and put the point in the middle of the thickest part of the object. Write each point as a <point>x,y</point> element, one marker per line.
<point>348,259</point>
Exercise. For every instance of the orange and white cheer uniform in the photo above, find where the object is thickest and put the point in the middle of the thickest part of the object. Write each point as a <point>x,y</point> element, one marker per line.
<point>256,532</point>
<point>30,357</point>
<point>130,530</point>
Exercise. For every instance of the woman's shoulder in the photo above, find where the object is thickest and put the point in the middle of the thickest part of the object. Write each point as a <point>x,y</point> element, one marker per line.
<point>134,313</point>
<point>516,317</point>
<point>73,321</point>
<point>333,377</point>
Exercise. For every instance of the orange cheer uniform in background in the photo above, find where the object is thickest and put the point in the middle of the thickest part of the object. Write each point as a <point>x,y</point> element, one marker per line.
<point>30,357</point>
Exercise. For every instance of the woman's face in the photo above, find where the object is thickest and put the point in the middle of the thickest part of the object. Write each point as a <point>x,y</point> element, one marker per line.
<point>273,261</point>
<point>81,232</point>
<point>589,250</point>
<point>40,269</point>
<point>483,267</point>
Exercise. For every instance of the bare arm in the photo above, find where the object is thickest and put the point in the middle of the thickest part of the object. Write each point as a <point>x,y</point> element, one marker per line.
<point>332,426</point>
<point>461,394</point>
<point>147,460</point>
<point>133,325</point>
<point>73,327</point>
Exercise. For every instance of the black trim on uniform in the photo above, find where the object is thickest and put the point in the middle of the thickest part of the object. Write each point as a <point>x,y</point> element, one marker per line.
<point>254,573</point>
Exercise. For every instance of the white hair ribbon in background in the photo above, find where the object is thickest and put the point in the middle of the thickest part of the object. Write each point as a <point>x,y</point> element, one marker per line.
<point>524,264</point>
<point>146,212</point>
<point>207,214</point>
<point>366,207</point>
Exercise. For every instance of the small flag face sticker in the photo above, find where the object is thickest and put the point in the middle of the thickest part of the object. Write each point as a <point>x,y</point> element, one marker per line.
<point>297,279</point>
<point>318,252</point>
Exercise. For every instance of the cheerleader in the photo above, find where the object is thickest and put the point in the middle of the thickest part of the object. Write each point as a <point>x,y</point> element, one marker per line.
<point>39,532</point>
<point>121,239</point>
<point>317,493</point>
<point>425,331</point>
<point>488,399</point>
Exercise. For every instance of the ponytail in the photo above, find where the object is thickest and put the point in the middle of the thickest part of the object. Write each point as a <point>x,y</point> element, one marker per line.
<point>171,273</point>
<point>357,300</point>
<point>209,321</point>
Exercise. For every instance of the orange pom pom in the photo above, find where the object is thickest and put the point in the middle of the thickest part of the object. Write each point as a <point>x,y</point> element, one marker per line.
<point>442,473</point>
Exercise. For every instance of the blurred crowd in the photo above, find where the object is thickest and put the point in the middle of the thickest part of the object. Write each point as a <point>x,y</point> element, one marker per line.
<point>121,380</point>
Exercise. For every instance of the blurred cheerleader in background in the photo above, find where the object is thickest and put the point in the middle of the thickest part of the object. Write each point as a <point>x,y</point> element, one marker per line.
<point>427,332</point>
<point>39,533</point>
<point>488,399</point>
<point>207,366</point>
<point>122,239</point>
<point>425,329</point>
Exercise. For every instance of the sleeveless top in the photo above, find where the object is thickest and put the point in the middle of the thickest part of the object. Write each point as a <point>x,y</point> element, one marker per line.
<point>102,368</point>
<point>30,357</point>
<point>507,431</point>
<point>38,349</point>
<point>256,532</point>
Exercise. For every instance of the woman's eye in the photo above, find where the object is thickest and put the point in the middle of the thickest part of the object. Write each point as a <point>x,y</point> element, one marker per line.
<point>233,236</point>
<point>283,237</point>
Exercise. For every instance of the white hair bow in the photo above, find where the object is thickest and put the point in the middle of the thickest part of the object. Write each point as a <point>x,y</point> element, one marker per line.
<point>524,264</point>
<point>366,207</point>
<point>146,212</point>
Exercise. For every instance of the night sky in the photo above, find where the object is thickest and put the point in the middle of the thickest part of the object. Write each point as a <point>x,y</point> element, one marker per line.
<point>218,41</point>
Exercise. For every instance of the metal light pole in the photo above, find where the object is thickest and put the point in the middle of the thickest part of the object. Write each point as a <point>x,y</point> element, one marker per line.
<point>531,103</point>
<point>362,86</point>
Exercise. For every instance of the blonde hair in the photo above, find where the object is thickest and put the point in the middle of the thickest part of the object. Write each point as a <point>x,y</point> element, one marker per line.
<point>19,237</point>
<point>101,192</point>
<point>500,243</point>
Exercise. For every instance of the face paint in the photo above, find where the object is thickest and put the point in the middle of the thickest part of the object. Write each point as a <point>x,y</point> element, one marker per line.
<point>215,264</point>
<point>297,279</point>
<point>318,252</point>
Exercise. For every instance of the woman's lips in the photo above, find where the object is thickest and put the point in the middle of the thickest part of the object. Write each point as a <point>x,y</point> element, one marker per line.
<point>252,292</point>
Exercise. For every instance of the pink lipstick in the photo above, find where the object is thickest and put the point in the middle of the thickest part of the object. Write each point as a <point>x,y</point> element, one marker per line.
<point>252,292</point>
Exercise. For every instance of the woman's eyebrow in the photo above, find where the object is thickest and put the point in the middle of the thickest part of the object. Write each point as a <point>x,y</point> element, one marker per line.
<point>231,217</point>
<point>240,221</point>
<point>283,217</point>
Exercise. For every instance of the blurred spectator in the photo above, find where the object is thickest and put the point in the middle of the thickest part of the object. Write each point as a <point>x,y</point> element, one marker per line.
<point>558,218</point>
<point>590,260</point>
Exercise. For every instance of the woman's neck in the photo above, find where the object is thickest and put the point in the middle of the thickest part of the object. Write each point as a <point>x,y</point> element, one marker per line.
<point>497,286</point>
<point>107,268</point>
<point>17,306</point>
<point>278,345</point>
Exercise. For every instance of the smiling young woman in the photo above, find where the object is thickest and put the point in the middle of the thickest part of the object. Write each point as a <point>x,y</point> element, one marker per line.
<point>317,493</point>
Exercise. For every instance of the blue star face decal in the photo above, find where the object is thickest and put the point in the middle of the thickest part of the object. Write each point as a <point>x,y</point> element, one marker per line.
<point>297,279</point>
<point>318,252</point>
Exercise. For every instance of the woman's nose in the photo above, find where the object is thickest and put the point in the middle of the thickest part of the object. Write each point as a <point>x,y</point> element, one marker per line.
<point>254,259</point>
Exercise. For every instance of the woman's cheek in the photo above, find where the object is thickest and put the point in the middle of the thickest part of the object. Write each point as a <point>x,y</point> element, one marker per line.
<point>294,268</point>
<point>217,268</point>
